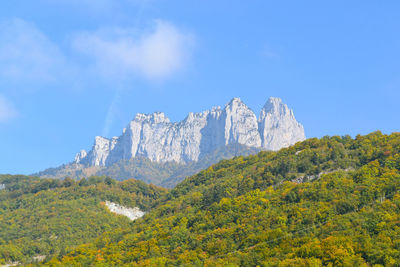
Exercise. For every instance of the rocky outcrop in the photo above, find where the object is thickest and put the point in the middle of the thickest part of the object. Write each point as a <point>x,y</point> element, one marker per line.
<point>131,213</point>
<point>278,126</point>
<point>153,136</point>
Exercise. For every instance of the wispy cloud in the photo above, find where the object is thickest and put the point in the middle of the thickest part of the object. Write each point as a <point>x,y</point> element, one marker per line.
<point>154,54</point>
<point>27,54</point>
<point>267,52</point>
<point>97,5</point>
<point>92,5</point>
<point>111,113</point>
<point>7,110</point>
<point>29,57</point>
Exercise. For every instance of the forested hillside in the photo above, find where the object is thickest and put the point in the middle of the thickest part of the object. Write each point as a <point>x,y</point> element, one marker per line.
<point>333,201</point>
<point>165,174</point>
<point>49,217</point>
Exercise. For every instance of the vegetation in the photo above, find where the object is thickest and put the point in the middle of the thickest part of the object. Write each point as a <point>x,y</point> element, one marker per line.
<point>50,217</point>
<point>166,174</point>
<point>333,201</point>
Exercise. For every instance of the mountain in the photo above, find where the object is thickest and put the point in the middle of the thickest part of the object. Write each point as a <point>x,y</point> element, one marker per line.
<point>196,139</point>
<point>42,218</point>
<point>332,201</point>
<point>166,174</point>
<point>153,136</point>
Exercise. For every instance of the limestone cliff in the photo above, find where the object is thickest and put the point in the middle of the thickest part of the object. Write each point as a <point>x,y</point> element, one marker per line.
<point>153,136</point>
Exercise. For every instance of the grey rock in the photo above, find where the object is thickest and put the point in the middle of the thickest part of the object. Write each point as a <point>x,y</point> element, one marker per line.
<point>153,136</point>
<point>278,126</point>
<point>81,155</point>
<point>132,213</point>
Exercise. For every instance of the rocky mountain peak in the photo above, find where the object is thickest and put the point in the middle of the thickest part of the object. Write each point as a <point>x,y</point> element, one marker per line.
<point>236,104</point>
<point>82,154</point>
<point>235,101</point>
<point>241,124</point>
<point>278,126</point>
<point>274,105</point>
<point>153,135</point>
<point>156,117</point>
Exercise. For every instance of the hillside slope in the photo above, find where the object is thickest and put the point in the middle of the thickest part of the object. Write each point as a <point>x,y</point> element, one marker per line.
<point>166,174</point>
<point>155,150</point>
<point>333,201</point>
<point>47,217</point>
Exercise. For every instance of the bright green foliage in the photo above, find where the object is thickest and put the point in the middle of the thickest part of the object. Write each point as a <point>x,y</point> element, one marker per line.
<point>249,212</point>
<point>50,217</point>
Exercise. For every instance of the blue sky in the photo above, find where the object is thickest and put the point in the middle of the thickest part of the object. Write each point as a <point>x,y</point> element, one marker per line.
<point>74,69</point>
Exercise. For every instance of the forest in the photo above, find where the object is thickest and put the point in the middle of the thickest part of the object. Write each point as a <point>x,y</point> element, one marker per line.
<point>49,217</point>
<point>332,201</point>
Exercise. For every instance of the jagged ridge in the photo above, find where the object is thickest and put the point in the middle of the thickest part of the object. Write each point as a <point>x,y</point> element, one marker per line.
<point>153,136</point>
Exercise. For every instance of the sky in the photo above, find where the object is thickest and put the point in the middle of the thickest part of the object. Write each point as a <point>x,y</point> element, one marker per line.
<point>74,69</point>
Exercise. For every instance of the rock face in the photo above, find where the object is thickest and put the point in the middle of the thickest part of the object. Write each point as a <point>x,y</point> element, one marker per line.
<point>153,136</point>
<point>131,213</point>
<point>278,127</point>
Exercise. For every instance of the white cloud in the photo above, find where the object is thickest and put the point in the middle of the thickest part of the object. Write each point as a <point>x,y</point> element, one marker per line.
<point>26,54</point>
<point>7,110</point>
<point>155,54</point>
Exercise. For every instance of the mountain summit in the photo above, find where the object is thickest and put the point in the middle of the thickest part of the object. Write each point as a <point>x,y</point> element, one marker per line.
<point>153,136</point>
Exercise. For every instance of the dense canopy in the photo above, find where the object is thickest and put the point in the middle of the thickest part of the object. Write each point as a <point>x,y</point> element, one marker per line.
<point>333,201</point>
<point>49,217</point>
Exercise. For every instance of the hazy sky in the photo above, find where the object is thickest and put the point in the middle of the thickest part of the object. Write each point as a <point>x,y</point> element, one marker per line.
<point>74,69</point>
